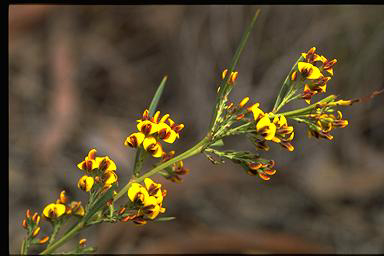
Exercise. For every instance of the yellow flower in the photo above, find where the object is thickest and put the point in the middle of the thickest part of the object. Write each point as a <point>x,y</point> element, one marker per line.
<point>256,111</point>
<point>151,208</point>
<point>137,194</point>
<point>85,183</point>
<point>175,127</point>
<point>76,208</point>
<point>166,133</point>
<point>134,140</point>
<point>147,127</point>
<point>311,56</point>
<point>153,147</point>
<point>105,164</point>
<point>266,128</point>
<point>109,178</point>
<point>89,162</point>
<point>52,211</point>
<point>309,71</point>
<point>154,189</point>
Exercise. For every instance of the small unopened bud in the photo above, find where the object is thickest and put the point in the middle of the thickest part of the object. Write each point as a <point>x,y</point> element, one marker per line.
<point>44,240</point>
<point>63,197</point>
<point>121,211</point>
<point>24,224</point>
<point>224,73</point>
<point>36,232</point>
<point>28,214</point>
<point>263,176</point>
<point>82,242</point>
<point>294,76</point>
<point>234,76</point>
<point>243,102</point>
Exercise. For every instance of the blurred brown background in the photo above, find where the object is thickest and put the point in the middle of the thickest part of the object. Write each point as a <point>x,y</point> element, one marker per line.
<point>81,75</point>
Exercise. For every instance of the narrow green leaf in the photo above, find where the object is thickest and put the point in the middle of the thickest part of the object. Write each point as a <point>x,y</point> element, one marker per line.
<point>164,219</point>
<point>156,97</point>
<point>225,88</point>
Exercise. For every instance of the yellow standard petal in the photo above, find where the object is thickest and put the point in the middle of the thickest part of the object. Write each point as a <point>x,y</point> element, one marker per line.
<point>151,145</point>
<point>137,193</point>
<point>105,164</point>
<point>151,209</point>
<point>134,140</point>
<point>166,133</point>
<point>54,210</point>
<point>266,128</point>
<point>309,71</point>
<point>147,127</point>
<point>256,111</point>
<point>85,183</point>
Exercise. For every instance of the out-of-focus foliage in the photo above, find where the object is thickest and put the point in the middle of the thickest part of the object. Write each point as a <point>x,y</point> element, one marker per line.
<point>80,74</point>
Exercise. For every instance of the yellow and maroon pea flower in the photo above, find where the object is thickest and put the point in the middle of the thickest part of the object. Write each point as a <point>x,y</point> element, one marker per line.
<point>309,71</point>
<point>154,189</point>
<point>266,128</point>
<point>147,127</point>
<point>105,164</point>
<point>152,146</point>
<point>85,183</point>
<point>138,194</point>
<point>76,208</point>
<point>175,127</point>
<point>89,162</point>
<point>166,134</point>
<point>284,133</point>
<point>167,156</point>
<point>151,208</point>
<point>328,64</point>
<point>134,140</point>
<point>108,179</point>
<point>262,170</point>
<point>311,56</point>
<point>53,211</point>
<point>256,111</point>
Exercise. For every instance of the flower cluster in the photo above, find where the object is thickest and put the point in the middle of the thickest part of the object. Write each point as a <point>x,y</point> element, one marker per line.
<point>174,171</point>
<point>99,170</point>
<point>315,71</point>
<point>53,211</point>
<point>323,121</point>
<point>276,130</point>
<point>31,224</point>
<point>146,202</point>
<point>151,131</point>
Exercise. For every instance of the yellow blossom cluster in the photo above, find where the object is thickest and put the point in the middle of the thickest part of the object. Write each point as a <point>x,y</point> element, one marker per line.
<point>55,210</point>
<point>315,71</point>
<point>276,130</point>
<point>321,124</point>
<point>151,130</point>
<point>147,201</point>
<point>31,224</point>
<point>99,170</point>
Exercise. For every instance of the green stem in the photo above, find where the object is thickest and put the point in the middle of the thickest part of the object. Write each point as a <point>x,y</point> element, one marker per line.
<point>64,238</point>
<point>24,247</point>
<point>306,110</point>
<point>190,152</point>
<point>56,229</point>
